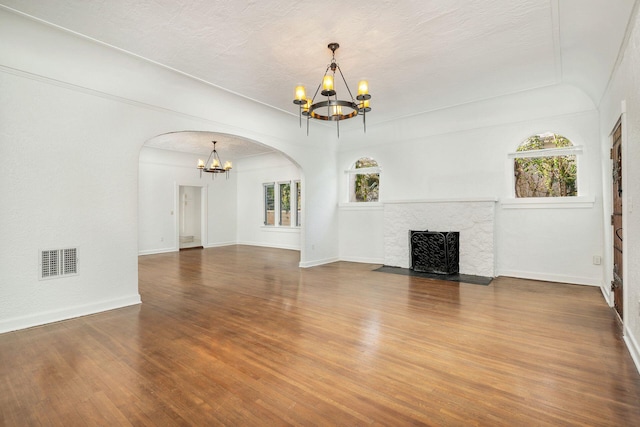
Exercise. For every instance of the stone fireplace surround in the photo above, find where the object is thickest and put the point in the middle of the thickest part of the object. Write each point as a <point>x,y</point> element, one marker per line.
<point>473,218</point>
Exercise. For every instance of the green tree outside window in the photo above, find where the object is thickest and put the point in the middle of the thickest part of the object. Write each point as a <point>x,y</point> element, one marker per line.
<point>285,204</point>
<point>269,204</point>
<point>547,175</point>
<point>367,185</point>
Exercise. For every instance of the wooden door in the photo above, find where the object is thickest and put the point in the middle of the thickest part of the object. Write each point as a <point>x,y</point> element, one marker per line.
<point>616,220</point>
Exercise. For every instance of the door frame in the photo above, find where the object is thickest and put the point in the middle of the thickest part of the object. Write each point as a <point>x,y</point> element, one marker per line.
<point>204,215</point>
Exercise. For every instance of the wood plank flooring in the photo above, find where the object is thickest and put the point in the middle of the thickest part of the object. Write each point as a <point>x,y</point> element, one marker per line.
<point>241,336</point>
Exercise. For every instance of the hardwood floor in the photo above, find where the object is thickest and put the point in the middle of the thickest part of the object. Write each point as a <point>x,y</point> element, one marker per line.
<point>241,336</point>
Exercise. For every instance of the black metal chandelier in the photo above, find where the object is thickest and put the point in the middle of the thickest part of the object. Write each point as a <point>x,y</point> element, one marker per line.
<point>332,108</point>
<point>215,165</point>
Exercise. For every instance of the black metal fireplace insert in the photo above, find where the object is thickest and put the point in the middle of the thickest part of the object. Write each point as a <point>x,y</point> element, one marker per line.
<point>435,251</point>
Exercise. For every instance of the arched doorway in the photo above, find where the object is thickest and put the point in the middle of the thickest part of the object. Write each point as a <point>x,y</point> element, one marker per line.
<point>231,205</point>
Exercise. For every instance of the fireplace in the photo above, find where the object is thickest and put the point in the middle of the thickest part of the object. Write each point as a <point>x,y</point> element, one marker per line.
<point>435,251</point>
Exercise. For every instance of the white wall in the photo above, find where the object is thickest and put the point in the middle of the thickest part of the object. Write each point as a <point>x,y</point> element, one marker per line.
<point>160,175</point>
<point>461,153</point>
<point>555,241</point>
<point>80,192</point>
<point>623,99</point>
<point>252,173</point>
<point>80,112</point>
<point>362,232</point>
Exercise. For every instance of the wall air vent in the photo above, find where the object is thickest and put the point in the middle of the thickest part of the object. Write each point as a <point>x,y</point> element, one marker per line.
<point>58,263</point>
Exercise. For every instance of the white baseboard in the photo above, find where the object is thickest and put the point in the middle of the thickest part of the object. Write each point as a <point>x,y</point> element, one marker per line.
<point>363,260</point>
<point>270,245</point>
<point>65,314</point>
<point>607,295</point>
<point>574,280</point>
<point>157,251</point>
<point>633,347</point>
<point>314,263</point>
<point>219,244</point>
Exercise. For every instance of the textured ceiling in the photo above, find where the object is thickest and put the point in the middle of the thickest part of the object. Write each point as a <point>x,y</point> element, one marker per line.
<point>418,55</point>
<point>229,147</point>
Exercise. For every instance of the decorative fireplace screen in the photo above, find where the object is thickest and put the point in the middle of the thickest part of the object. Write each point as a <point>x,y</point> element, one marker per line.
<point>435,251</point>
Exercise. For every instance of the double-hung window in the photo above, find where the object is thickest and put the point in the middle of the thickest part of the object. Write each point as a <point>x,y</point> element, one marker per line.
<point>282,204</point>
<point>269,204</point>
<point>284,189</point>
<point>298,200</point>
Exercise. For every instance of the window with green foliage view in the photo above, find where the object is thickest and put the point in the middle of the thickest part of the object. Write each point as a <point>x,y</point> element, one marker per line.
<point>282,204</point>
<point>298,198</point>
<point>269,204</point>
<point>365,185</point>
<point>285,203</point>
<point>552,173</point>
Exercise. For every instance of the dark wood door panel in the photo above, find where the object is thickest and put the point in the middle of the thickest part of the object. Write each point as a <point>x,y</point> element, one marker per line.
<point>616,220</point>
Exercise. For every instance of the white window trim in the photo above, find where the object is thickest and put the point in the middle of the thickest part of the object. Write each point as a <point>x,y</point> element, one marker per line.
<point>364,171</point>
<point>280,229</point>
<point>547,152</point>
<point>572,202</point>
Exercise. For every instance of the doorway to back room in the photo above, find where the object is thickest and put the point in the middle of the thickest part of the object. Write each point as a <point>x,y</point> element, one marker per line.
<point>190,217</point>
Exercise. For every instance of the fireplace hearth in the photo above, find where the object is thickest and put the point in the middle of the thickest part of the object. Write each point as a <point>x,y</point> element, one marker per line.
<point>435,251</point>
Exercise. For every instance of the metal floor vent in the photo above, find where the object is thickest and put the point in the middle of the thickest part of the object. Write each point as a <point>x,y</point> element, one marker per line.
<point>58,263</point>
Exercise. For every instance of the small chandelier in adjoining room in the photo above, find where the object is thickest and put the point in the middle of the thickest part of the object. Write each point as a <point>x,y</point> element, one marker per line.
<point>333,109</point>
<point>215,165</point>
